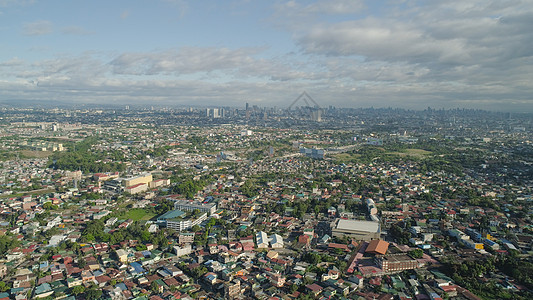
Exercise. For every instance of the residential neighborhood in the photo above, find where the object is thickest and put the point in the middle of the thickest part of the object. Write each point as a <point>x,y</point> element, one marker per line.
<point>389,205</point>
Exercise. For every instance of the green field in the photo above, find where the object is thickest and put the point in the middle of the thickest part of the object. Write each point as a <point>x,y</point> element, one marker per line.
<point>138,214</point>
<point>412,152</point>
<point>35,154</point>
<point>24,193</point>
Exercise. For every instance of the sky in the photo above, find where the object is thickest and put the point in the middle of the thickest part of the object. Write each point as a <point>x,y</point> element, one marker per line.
<point>343,53</point>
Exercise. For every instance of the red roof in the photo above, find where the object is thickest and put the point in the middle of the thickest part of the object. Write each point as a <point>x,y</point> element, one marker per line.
<point>338,246</point>
<point>314,287</point>
<point>134,186</point>
<point>377,247</point>
<point>303,239</point>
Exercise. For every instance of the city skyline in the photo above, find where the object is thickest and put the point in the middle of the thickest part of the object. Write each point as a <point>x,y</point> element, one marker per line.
<point>406,54</point>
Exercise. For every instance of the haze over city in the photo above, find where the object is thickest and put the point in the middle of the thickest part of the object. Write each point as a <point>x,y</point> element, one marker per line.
<point>345,53</point>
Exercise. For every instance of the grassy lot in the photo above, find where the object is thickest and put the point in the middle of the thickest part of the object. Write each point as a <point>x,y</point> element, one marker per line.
<point>35,154</point>
<point>23,193</point>
<point>137,214</point>
<point>419,153</point>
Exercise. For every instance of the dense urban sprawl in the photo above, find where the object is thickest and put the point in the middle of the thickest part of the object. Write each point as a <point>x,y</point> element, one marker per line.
<point>222,203</point>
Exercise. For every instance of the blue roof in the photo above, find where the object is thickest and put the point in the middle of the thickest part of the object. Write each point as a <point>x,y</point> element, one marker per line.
<point>489,242</point>
<point>137,267</point>
<point>325,238</point>
<point>211,276</point>
<point>121,286</point>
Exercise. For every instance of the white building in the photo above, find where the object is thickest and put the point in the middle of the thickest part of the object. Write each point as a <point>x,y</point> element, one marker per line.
<point>185,205</point>
<point>261,239</point>
<point>182,224</point>
<point>276,241</point>
<point>182,250</point>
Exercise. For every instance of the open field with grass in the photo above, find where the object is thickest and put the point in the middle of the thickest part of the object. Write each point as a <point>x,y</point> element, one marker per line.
<point>35,154</point>
<point>138,214</point>
<point>419,153</point>
<point>34,192</point>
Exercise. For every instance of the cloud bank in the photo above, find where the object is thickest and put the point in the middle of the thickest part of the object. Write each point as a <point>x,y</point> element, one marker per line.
<point>413,54</point>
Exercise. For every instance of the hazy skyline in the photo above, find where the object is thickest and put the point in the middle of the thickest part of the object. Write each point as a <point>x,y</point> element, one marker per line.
<point>351,53</point>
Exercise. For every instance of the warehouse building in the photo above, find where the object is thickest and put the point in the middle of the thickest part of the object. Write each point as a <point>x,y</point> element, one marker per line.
<point>359,230</point>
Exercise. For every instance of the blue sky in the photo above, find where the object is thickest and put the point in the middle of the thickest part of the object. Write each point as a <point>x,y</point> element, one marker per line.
<point>346,53</point>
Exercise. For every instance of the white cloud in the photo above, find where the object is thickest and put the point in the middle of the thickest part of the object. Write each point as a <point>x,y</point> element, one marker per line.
<point>468,53</point>
<point>13,62</point>
<point>75,30</point>
<point>429,49</point>
<point>320,7</point>
<point>41,27</point>
<point>240,63</point>
<point>335,7</point>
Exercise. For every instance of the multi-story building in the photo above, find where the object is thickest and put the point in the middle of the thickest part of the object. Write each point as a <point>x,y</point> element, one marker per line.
<point>396,263</point>
<point>185,205</point>
<point>232,289</point>
<point>175,220</point>
<point>137,188</point>
<point>145,178</point>
<point>159,183</point>
<point>182,250</point>
<point>186,237</point>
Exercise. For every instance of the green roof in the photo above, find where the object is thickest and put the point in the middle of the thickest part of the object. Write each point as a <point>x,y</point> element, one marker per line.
<point>173,214</point>
<point>160,282</point>
<point>61,289</point>
<point>57,284</point>
<point>187,289</point>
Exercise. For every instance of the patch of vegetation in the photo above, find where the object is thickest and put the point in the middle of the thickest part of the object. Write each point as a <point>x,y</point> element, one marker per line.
<point>81,158</point>
<point>138,214</point>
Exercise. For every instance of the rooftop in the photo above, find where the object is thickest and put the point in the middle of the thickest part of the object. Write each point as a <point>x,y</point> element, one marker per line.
<point>171,215</point>
<point>403,257</point>
<point>356,225</point>
<point>377,247</point>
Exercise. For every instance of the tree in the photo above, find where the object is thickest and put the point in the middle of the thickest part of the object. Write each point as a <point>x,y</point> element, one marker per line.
<point>416,253</point>
<point>154,287</point>
<point>3,286</point>
<point>7,243</point>
<point>312,258</point>
<point>249,189</point>
<point>49,206</point>
<point>82,262</point>
<point>145,235</point>
<point>93,294</point>
<point>199,272</point>
<point>79,289</point>
<point>293,288</point>
<point>140,247</point>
